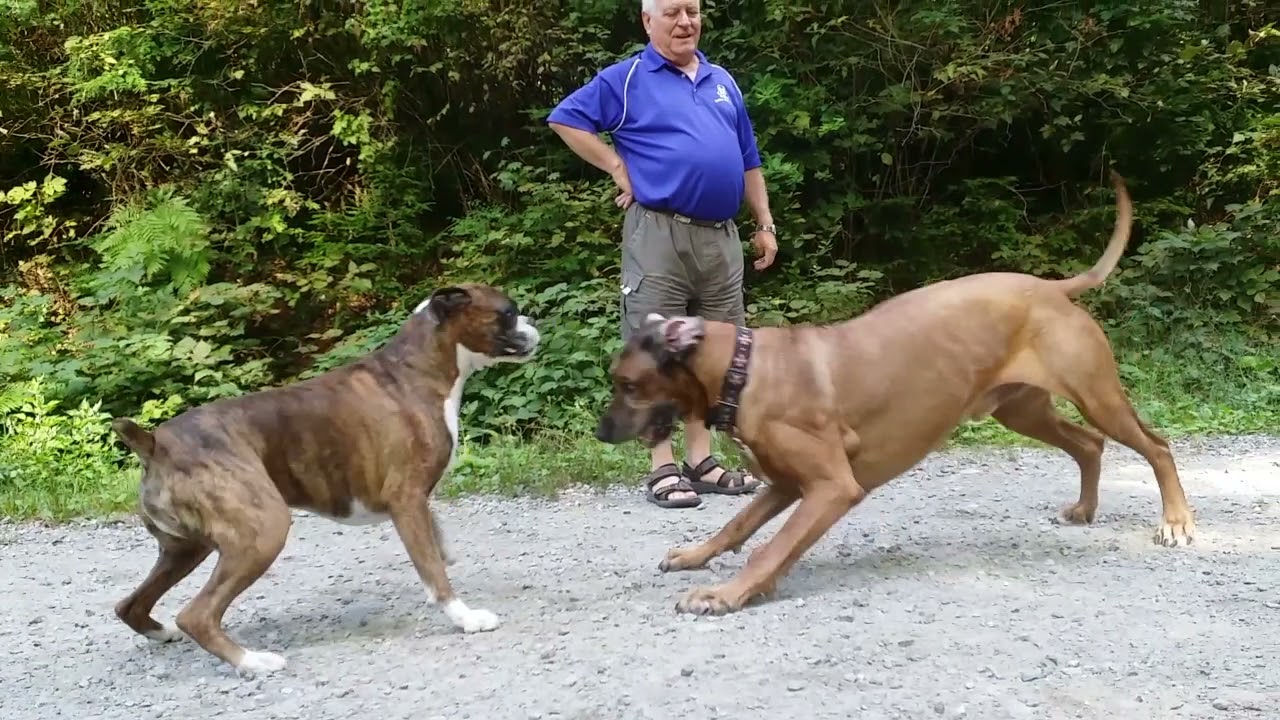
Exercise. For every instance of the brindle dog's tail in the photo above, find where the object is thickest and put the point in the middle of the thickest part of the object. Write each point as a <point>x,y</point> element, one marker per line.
<point>1097,274</point>
<point>140,441</point>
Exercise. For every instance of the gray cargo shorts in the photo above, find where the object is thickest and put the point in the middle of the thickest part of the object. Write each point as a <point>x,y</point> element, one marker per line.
<point>676,268</point>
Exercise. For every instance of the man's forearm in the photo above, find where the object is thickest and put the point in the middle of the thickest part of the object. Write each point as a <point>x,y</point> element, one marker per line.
<point>758,197</point>
<point>589,147</point>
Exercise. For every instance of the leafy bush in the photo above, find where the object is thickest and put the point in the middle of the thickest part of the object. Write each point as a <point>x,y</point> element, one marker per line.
<point>60,464</point>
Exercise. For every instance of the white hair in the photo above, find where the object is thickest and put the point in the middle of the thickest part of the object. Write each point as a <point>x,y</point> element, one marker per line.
<point>648,6</point>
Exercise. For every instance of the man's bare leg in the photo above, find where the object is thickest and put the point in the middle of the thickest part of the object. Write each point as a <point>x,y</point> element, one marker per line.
<point>662,454</point>
<point>698,449</point>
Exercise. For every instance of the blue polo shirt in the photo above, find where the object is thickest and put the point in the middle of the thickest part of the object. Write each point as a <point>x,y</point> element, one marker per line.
<point>686,143</point>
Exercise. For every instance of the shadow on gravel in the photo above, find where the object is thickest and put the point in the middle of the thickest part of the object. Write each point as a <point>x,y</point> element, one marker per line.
<point>935,554</point>
<point>325,624</point>
<point>393,611</point>
<point>291,632</point>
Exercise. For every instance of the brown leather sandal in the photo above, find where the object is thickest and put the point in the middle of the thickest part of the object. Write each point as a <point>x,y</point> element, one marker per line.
<point>661,497</point>
<point>730,482</point>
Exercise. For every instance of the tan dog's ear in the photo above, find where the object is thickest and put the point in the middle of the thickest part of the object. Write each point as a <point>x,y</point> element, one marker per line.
<point>682,334</point>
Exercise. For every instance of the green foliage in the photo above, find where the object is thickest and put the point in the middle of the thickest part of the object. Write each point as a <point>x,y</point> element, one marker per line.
<point>61,464</point>
<point>32,218</point>
<point>197,200</point>
<point>135,345</point>
<point>1205,276</point>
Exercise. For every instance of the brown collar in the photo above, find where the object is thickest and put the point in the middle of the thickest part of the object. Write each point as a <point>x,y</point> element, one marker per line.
<point>724,415</point>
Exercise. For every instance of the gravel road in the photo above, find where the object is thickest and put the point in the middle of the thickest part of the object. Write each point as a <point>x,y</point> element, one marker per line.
<point>950,593</point>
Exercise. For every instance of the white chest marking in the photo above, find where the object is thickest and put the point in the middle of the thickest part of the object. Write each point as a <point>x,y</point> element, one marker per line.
<point>451,405</point>
<point>468,362</point>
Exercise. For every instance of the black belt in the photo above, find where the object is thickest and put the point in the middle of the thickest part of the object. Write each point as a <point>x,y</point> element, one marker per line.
<point>688,220</point>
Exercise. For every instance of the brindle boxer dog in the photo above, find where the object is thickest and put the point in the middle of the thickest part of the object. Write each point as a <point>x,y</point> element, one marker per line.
<point>829,414</point>
<point>362,443</point>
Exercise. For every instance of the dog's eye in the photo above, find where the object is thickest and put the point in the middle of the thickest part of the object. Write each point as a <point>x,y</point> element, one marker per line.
<point>627,387</point>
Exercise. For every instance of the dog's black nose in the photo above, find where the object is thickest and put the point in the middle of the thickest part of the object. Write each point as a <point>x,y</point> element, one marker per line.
<point>604,431</point>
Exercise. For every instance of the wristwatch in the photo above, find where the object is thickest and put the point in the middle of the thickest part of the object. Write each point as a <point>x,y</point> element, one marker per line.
<point>769,228</point>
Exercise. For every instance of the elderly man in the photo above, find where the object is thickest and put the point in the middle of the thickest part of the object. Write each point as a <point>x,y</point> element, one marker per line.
<point>686,157</point>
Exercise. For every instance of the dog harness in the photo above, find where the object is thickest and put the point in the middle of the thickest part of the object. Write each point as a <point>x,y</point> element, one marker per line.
<point>724,415</point>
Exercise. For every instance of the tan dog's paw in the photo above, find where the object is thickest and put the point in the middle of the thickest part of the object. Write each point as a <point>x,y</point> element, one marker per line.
<point>683,559</point>
<point>1177,530</point>
<point>1077,514</point>
<point>709,601</point>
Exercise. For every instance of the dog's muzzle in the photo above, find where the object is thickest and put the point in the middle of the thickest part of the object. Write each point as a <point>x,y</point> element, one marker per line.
<point>523,342</point>
<point>606,430</point>
<point>659,425</point>
<point>662,424</point>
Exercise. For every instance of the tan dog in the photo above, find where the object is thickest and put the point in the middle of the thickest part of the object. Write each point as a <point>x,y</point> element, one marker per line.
<point>362,443</point>
<point>829,414</point>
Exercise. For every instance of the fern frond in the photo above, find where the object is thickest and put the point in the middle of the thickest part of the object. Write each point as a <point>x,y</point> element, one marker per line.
<point>157,235</point>
<point>12,397</point>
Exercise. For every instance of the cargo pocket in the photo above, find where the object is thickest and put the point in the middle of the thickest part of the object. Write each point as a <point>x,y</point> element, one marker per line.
<point>630,309</point>
<point>631,280</point>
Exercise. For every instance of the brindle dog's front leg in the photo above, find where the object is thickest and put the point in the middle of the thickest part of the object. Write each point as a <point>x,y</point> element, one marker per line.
<point>415,523</point>
<point>408,500</point>
<point>762,508</point>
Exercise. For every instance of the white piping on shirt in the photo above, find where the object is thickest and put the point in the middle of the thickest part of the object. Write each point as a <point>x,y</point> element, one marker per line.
<point>626,85</point>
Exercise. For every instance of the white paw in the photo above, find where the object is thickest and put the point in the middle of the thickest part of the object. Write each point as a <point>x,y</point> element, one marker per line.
<point>260,663</point>
<point>479,621</point>
<point>166,634</point>
<point>470,620</point>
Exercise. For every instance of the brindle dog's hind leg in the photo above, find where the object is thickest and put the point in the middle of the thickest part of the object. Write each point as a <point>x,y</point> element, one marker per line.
<point>178,558</point>
<point>251,529</point>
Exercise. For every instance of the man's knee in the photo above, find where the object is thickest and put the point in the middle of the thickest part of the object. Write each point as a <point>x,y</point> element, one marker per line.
<point>722,300</point>
<point>720,296</point>
<point>734,315</point>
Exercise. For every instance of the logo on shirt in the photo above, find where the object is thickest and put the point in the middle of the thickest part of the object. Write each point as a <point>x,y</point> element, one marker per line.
<point>722,94</point>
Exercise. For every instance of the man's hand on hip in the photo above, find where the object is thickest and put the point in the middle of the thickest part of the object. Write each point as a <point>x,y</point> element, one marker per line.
<point>623,181</point>
<point>766,245</point>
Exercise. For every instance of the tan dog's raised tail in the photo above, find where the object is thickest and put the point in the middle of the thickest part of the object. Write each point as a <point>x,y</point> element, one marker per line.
<point>831,413</point>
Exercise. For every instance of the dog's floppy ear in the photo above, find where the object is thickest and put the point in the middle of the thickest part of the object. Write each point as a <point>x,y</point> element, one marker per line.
<point>446,301</point>
<point>682,334</point>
